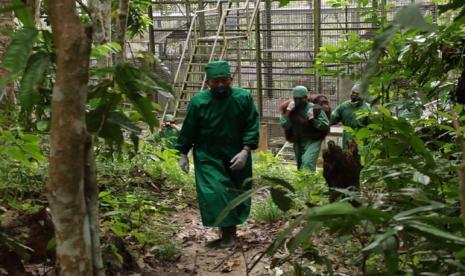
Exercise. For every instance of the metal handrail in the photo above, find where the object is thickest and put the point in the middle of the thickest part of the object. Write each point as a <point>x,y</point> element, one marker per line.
<point>193,33</point>
<point>194,17</point>
<point>220,27</point>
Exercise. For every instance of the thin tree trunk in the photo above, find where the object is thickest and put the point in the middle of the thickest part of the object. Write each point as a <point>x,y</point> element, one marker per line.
<point>91,194</point>
<point>461,169</point>
<point>101,23</point>
<point>6,25</point>
<point>121,27</point>
<point>66,186</point>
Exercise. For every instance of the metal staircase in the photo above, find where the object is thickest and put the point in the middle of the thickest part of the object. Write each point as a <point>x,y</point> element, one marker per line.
<point>234,19</point>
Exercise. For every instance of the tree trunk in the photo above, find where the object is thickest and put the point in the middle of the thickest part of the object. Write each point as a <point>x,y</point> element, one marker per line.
<point>461,169</point>
<point>121,27</point>
<point>91,194</point>
<point>101,23</point>
<point>69,195</point>
<point>6,25</point>
<point>35,7</point>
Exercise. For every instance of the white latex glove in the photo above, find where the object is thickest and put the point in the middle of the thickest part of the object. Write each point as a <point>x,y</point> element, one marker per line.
<point>310,114</point>
<point>184,163</point>
<point>238,161</point>
<point>290,106</point>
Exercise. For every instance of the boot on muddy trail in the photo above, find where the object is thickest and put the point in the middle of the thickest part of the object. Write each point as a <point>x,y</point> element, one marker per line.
<point>227,240</point>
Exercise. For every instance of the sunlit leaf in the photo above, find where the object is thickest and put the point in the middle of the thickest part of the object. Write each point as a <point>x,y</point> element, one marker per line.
<point>18,51</point>
<point>431,230</point>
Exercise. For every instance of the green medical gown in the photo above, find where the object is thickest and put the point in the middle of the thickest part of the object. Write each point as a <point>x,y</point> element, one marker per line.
<point>217,129</point>
<point>306,149</point>
<point>346,113</point>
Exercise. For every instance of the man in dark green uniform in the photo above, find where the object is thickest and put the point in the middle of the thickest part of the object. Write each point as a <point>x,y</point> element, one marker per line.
<point>301,120</point>
<point>168,132</point>
<point>346,113</point>
<point>221,125</point>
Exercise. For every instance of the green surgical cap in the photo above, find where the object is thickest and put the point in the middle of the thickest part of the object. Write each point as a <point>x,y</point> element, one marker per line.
<point>357,86</point>
<point>169,118</point>
<point>217,69</point>
<point>299,91</point>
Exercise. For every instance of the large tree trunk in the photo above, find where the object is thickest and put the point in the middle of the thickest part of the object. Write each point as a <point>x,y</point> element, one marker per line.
<point>121,27</point>
<point>101,23</point>
<point>6,25</point>
<point>70,195</point>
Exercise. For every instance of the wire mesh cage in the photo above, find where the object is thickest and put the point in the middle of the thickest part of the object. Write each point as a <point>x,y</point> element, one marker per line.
<point>281,47</point>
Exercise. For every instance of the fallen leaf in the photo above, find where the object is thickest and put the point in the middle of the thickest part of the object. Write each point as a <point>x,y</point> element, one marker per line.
<point>229,265</point>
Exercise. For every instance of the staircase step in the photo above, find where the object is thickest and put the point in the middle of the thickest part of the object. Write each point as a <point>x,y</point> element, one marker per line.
<point>194,82</point>
<point>222,38</point>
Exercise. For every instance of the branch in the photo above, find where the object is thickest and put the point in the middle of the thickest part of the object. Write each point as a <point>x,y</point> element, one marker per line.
<point>84,8</point>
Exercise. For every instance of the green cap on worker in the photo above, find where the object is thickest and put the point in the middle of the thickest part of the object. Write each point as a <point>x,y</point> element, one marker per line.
<point>299,91</point>
<point>357,86</point>
<point>217,69</point>
<point>169,118</point>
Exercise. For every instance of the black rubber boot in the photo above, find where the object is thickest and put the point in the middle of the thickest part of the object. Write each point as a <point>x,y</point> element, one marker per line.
<point>228,236</point>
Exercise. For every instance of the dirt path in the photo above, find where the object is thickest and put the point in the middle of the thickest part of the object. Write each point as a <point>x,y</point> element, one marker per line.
<point>196,259</point>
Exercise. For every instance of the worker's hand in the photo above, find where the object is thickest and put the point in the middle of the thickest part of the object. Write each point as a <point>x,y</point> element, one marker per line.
<point>310,114</point>
<point>184,163</point>
<point>238,161</point>
<point>290,106</point>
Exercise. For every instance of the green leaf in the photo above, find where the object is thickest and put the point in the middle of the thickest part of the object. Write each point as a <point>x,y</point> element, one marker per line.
<point>51,244</point>
<point>238,200</point>
<point>105,50</point>
<point>17,154</point>
<point>281,199</point>
<point>452,5</point>
<point>283,3</point>
<point>373,214</point>
<point>11,8</point>
<point>120,119</point>
<point>24,13</point>
<point>127,79</point>
<point>34,74</point>
<point>304,234</point>
<point>410,17</point>
<point>30,138</point>
<point>333,209</point>
<point>379,239</point>
<point>18,51</point>
<point>279,241</point>
<point>279,181</point>
<point>146,108</point>
<point>43,125</point>
<point>112,133</point>
<point>160,85</point>
<point>431,230</point>
<point>460,254</point>
<point>34,151</point>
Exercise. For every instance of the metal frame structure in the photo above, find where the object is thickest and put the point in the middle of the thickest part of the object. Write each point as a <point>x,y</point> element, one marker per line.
<point>276,58</point>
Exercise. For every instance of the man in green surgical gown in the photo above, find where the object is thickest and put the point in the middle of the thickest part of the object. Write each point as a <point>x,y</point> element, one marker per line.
<point>346,113</point>
<point>168,132</point>
<point>307,127</point>
<point>221,126</point>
